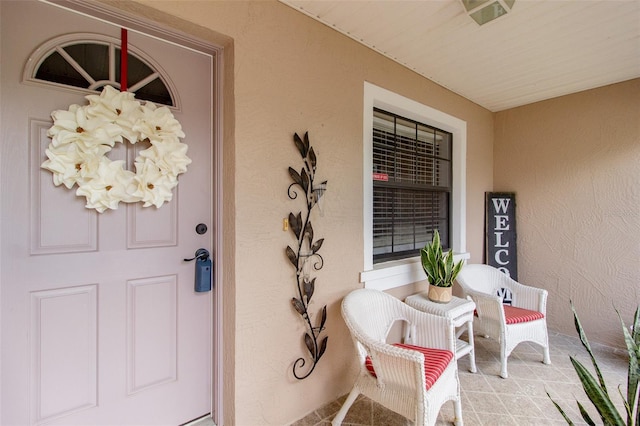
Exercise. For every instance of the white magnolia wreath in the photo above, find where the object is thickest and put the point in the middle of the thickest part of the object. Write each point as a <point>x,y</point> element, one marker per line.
<point>82,136</point>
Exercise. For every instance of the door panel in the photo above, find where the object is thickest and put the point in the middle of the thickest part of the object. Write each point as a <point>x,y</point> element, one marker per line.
<point>151,328</point>
<point>63,350</point>
<point>100,321</point>
<point>48,233</point>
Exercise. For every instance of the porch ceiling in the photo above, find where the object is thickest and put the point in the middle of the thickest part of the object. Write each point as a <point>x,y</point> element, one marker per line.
<point>542,49</point>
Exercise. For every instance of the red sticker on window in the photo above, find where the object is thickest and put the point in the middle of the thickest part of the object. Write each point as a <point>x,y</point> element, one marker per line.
<point>381,176</point>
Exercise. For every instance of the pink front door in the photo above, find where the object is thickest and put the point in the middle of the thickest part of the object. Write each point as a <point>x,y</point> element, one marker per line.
<point>100,323</point>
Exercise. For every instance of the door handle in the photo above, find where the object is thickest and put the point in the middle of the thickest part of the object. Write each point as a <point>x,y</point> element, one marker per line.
<point>203,270</point>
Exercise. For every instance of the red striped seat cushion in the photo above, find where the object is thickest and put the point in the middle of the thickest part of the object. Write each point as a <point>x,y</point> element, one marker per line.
<point>435,362</point>
<point>515,315</point>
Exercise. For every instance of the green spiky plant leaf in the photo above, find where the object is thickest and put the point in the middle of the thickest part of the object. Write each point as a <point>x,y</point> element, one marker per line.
<point>595,387</point>
<point>440,268</point>
<point>585,343</point>
<point>632,340</point>
<point>567,419</point>
<point>585,415</point>
<point>597,395</point>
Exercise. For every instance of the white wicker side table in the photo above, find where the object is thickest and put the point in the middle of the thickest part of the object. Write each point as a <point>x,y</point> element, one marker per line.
<point>460,311</point>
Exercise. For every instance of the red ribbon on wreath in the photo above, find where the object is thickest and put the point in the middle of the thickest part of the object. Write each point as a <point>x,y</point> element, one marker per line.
<point>123,60</point>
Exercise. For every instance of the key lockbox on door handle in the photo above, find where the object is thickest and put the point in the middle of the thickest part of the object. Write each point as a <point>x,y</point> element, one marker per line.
<point>203,270</point>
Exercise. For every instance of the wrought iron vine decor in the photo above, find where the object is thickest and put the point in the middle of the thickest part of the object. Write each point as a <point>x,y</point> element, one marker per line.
<point>307,255</point>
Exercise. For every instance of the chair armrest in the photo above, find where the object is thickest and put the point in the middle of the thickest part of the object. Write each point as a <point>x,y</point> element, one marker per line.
<point>397,366</point>
<point>527,297</point>
<point>488,306</point>
<point>431,331</point>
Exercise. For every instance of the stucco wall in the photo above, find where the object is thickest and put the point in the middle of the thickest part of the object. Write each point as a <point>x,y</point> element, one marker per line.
<point>574,163</point>
<point>292,74</point>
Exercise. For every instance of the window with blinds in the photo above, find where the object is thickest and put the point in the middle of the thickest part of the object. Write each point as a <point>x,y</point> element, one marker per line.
<point>412,174</point>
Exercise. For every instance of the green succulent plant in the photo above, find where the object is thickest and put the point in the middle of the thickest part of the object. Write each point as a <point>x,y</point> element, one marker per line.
<point>439,267</point>
<point>596,389</point>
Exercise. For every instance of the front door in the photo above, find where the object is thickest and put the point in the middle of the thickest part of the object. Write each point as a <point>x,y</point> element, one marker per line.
<point>100,323</point>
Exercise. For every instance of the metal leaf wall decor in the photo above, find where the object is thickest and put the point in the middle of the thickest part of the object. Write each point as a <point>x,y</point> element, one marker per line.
<point>304,255</point>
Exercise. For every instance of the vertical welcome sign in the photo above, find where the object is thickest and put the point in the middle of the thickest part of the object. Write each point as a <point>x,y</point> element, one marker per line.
<point>500,229</point>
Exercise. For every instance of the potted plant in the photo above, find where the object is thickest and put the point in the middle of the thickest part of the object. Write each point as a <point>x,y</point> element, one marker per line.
<point>596,388</point>
<point>440,270</point>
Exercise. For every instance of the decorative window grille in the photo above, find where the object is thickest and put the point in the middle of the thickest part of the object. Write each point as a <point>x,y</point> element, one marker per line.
<point>412,175</point>
<point>92,64</point>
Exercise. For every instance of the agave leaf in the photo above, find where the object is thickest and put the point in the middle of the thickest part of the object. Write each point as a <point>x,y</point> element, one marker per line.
<point>431,254</point>
<point>435,241</point>
<point>636,327</point>
<point>423,255</point>
<point>295,176</point>
<point>316,246</point>
<point>453,269</point>
<point>566,418</point>
<point>308,230</point>
<point>323,347</point>
<point>585,415</point>
<point>457,269</point>
<point>300,145</point>
<point>627,407</point>
<point>430,263</point>
<point>298,305</point>
<point>597,395</point>
<point>441,273</point>
<point>635,335</point>
<point>292,257</point>
<point>635,411</point>
<point>323,317</point>
<point>634,367</point>
<point>596,389</point>
<point>432,260</point>
<point>436,250</point>
<point>309,287</point>
<point>585,343</point>
<point>448,262</point>
<point>427,265</point>
<point>305,180</point>
<point>309,342</point>
<point>312,158</point>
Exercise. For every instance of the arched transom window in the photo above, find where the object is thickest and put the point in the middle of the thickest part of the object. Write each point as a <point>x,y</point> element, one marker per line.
<point>88,62</point>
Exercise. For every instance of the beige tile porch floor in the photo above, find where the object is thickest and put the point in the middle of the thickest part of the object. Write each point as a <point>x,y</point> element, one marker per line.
<point>519,400</point>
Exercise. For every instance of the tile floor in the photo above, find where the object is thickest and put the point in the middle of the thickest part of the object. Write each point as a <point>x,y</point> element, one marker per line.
<point>519,400</point>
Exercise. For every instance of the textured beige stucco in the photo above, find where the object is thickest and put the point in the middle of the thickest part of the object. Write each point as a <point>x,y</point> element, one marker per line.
<point>574,163</point>
<point>287,73</point>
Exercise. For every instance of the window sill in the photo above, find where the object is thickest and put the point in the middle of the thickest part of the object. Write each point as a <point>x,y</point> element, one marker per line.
<point>397,273</point>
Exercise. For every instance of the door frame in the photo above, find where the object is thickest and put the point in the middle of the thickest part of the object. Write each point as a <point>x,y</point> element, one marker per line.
<point>161,31</point>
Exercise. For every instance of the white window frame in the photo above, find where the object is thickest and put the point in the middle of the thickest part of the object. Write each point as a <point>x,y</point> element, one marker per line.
<point>396,273</point>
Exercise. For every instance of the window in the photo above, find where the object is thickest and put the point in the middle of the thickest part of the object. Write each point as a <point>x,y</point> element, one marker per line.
<point>411,185</point>
<point>445,204</point>
<point>73,61</point>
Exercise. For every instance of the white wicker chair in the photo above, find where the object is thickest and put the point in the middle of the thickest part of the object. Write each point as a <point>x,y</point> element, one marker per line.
<point>401,374</point>
<point>507,325</point>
